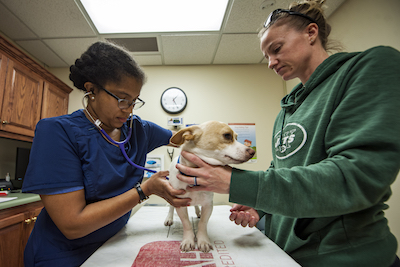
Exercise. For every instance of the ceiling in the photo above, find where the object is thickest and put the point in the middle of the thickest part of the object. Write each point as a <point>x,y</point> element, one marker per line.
<point>56,32</point>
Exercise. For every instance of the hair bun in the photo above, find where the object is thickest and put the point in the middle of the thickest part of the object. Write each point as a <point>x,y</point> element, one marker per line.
<point>77,77</point>
<point>104,62</point>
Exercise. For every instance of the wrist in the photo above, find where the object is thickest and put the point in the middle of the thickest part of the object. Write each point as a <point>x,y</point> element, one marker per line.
<point>142,195</point>
<point>145,188</point>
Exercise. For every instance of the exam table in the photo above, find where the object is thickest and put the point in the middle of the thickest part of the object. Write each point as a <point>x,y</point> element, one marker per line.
<point>145,241</point>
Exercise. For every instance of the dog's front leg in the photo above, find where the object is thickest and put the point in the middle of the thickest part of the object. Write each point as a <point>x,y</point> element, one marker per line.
<point>169,220</point>
<point>203,242</point>
<point>187,243</point>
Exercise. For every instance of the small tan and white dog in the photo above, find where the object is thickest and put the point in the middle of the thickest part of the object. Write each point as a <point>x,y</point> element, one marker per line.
<point>215,143</point>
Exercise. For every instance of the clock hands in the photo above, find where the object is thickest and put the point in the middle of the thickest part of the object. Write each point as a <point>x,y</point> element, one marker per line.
<point>174,99</point>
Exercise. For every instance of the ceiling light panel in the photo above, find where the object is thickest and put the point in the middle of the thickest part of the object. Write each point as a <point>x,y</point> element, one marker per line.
<point>139,16</point>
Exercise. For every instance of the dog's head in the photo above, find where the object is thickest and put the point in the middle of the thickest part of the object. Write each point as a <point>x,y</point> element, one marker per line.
<point>214,142</point>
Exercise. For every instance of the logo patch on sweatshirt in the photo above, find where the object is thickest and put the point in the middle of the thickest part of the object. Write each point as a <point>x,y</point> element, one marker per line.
<point>294,137</point>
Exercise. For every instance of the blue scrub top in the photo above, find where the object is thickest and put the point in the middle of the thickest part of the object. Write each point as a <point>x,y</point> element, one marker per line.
<point>68,154</point>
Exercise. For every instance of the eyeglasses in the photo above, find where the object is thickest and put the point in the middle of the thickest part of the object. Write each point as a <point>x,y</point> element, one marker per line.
<point>123,103</point>
<point>273,16</point>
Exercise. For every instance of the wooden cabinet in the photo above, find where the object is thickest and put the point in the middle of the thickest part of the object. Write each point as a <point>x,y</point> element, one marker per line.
<point>55,101</point>
<point>22,100</point>
<point>3,71</point>
<point>16,225</point>
<point>28,93</point>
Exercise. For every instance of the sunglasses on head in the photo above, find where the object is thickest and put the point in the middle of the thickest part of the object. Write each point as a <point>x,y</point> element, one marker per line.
<point>274,15</point>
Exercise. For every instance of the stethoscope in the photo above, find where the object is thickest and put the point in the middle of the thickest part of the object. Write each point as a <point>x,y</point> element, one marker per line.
<point>120,144</point>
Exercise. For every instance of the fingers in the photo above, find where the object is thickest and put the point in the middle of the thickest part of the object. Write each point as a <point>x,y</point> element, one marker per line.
<point>193,181</point>
<point>233,216</point>
<point>193,158</point>
<point>253,222</point>
<point>243,218</point>
<point>171,196</point>
<point>186,179</point>
<point>174,192</point>
<point>178,202</point>
<point>208,178</point>
<point>191,188</point>
<point>236,207</point>
<point>162,174</point>
<point>189,172</point>
<point>158,185</point>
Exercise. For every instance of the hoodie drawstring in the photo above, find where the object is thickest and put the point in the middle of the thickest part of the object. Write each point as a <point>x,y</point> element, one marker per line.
<point>283,124</point>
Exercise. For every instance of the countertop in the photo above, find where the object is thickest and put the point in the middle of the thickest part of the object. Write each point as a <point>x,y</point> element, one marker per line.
<point>21,199</point>
<point>146,242</point>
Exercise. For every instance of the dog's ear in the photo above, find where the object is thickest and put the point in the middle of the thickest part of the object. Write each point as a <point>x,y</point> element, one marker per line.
<point>187,133</point>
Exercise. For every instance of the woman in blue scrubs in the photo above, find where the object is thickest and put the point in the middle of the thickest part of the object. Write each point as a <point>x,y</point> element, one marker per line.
<point>86,185</point>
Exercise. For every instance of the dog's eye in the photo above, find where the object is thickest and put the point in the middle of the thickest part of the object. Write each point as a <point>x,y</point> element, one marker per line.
<point>228,136</point>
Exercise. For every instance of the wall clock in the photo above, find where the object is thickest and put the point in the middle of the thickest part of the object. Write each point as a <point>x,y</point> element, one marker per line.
<point>173,100</point>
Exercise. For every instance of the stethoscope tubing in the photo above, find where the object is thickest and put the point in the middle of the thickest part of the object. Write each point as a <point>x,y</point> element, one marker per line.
<point>121,146</point>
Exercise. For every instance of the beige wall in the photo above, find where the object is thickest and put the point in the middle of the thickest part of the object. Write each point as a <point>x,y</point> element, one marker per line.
<point>228,93</point>
<point>251,93</point>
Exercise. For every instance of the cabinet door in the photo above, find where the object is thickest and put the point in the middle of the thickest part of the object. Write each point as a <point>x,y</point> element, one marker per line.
<point>11,229</point>
<point>55,101</point>
<point>29,223</point>
<point>16,224</point>
<point>22,100</point>
<point>3,71</point>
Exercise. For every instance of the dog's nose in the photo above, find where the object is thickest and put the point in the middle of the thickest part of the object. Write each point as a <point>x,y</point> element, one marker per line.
<point>250,151</point>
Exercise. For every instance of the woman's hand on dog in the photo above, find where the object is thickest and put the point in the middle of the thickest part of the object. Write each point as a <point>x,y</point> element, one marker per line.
<point>244,216</point>
<point>158,185</point>
<point>208,177</point>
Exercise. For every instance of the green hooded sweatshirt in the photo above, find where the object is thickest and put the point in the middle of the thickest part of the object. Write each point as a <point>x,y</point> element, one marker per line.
<point>336,151</point>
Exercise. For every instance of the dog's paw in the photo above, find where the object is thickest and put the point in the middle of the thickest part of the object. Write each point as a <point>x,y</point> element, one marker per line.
<point>168,222</point>
<point>203,242</point>
<point>204,246</point>
<point>187,245</point>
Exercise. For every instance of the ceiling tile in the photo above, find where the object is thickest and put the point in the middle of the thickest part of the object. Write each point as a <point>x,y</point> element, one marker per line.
<point>70,49</point>
<point>247,16</point>
<point>137,44</point>
<point>11,26</point>
<point>39,50</point>
<point>148,60</point>
<point>187,49</point>
<point>55,18</point>
<point>239,49</point>
<point>56,32</point>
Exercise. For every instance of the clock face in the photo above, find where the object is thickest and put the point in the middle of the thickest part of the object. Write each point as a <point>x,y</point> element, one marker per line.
<point>173,100</point>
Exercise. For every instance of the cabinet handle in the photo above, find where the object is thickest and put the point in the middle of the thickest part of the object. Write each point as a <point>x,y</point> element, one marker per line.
<point>31,220</point>
<point>4,122</point>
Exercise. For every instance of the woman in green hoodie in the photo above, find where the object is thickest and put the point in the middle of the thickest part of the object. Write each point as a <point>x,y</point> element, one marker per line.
<point>336,149</point>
